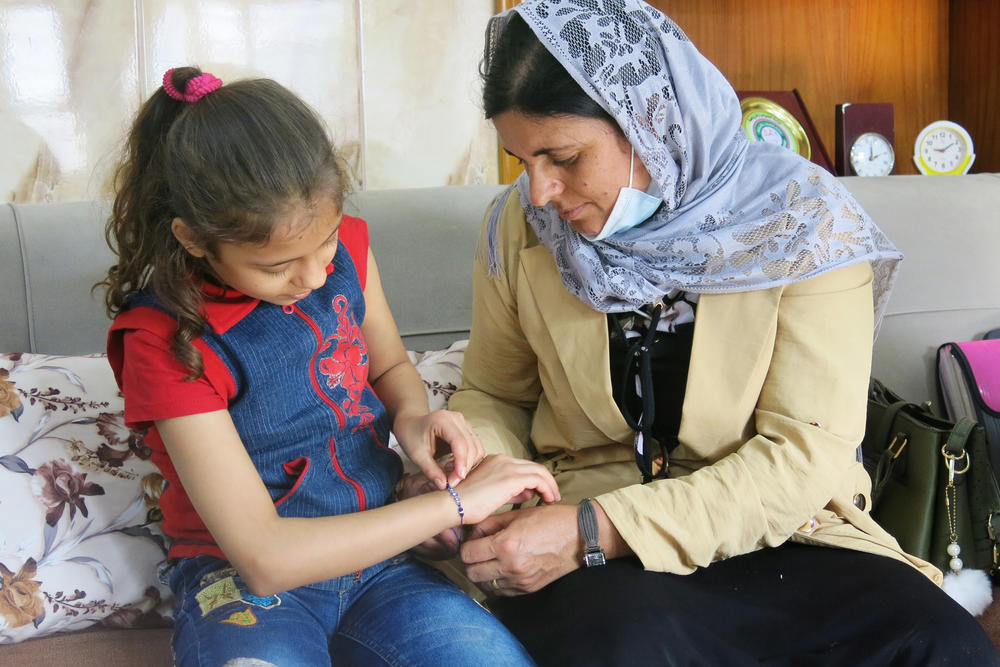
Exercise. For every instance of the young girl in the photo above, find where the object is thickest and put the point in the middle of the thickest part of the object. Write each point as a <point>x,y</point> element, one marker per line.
<point>252,338</point>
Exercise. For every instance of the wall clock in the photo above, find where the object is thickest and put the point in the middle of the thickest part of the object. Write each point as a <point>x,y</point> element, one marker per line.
<point>780,116</point>
<point>943,147</point>
<point>865,139</point>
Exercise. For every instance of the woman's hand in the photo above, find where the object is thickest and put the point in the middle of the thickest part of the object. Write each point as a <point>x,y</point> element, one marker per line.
<point>425,437</point>
<point>523,550</point>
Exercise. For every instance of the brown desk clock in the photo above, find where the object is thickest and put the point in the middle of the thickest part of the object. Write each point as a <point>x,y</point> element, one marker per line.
<point>780,117</point>
<point>865,139</point>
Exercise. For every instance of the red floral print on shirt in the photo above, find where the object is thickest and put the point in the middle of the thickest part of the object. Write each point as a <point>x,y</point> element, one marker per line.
<point>347,365</point>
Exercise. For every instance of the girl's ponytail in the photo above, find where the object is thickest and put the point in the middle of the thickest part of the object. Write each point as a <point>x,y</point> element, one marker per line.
<point>139,229</point>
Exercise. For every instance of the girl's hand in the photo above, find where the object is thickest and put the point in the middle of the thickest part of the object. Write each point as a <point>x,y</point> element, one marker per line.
<point>425,437</point>
<point>501,479</point>
<point>445,544</point>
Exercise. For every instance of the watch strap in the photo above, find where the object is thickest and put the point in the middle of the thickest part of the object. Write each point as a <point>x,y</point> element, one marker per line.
<point>586,517</point>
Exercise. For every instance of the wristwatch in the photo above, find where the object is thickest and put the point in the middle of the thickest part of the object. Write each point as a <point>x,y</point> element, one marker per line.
<point>593,554</point>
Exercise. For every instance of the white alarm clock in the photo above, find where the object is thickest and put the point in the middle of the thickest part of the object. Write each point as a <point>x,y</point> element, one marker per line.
<point>943,147</point>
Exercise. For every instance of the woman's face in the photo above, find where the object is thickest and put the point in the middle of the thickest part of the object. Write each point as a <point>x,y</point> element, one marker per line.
<point>577,163</point>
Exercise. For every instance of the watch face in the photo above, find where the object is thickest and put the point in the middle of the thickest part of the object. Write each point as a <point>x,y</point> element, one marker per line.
<point>763,120</point>
<point>943,147</point>
<point>872,155</point>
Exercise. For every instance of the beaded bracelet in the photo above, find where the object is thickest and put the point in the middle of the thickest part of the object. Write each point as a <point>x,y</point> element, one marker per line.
<point>461,511</point>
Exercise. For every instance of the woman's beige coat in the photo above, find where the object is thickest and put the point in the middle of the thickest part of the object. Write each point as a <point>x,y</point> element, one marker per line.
<point>772,417</point>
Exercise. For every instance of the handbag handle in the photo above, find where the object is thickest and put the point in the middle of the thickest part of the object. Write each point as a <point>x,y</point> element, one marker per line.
<point>879,393</point>
<point>955,445</point>
<point>885,424</point>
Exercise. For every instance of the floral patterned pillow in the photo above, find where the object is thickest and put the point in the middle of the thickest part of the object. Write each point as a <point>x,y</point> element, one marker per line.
<point>80,540</point>
<point>441,371</point>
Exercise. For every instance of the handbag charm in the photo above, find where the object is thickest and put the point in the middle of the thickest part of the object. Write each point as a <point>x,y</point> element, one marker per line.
<point>951,506</point>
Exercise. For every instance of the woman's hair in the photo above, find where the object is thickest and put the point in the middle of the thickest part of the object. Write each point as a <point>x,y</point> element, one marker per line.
<point>519,74</point>
<point>229,165</point>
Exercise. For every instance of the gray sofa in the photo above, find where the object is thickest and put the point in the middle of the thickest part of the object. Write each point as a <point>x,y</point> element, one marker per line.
<point>424,239</point>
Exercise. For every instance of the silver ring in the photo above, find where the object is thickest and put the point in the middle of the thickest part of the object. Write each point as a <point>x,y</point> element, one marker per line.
<point>495,584</point>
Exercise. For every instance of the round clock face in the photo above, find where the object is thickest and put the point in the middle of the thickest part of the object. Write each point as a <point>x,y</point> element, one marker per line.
<point>872,155</point>
<point>943,147</point>
<point>763,120</point>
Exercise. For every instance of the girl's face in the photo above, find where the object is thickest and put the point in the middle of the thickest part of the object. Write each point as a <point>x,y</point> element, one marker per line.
<point>288,267</point>
<point>577,163</point>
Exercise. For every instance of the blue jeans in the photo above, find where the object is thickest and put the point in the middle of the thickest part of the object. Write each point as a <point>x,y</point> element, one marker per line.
<point>400,612</point>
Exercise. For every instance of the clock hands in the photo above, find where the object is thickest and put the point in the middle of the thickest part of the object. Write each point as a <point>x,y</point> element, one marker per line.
<point>943,147</point>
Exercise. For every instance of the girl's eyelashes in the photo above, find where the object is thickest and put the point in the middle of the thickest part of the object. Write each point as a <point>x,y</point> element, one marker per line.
<point>280,273</point>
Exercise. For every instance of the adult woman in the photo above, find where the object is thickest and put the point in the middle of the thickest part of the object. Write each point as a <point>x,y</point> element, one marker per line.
<point>657,291</point>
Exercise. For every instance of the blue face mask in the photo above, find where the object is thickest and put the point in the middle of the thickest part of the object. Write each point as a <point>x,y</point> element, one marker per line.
<point>631,208</point>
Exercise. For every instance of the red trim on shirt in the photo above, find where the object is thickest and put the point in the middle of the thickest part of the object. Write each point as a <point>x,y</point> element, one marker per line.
<point>296,468</point>
<point>354,234</point>
<point>224,307</point>
<point>358,490</point>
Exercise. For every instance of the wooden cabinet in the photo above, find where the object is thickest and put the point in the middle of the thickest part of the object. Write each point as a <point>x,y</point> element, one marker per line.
<point>974,76</point>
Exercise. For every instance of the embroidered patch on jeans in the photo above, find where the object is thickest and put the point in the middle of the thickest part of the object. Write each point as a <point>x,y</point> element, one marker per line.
<point>217,594</point>
<point>243,618</point>
<point>263,602</point>
<point>217,575</point>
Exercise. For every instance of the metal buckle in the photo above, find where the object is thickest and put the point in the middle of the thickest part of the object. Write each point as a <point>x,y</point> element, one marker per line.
<point>902,446</point>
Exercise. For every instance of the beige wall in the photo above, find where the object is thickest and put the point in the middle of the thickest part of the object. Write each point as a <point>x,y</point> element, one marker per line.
<point>395,80</point>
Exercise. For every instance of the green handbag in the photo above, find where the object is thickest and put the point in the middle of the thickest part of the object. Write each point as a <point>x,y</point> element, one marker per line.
<point>911,455</point>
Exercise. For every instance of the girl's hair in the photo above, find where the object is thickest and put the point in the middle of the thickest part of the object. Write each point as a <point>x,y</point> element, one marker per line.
<point>519,74</point>
<point>229,165</point>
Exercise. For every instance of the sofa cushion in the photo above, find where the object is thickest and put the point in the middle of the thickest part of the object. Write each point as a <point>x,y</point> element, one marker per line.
<point>441,371</point>
<point>79,520</point>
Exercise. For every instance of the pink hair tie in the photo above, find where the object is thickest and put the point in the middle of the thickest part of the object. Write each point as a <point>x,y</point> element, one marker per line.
<point>196,88</point>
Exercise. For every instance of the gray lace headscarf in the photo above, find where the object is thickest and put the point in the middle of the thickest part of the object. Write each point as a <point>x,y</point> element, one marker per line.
<point>736,216</point>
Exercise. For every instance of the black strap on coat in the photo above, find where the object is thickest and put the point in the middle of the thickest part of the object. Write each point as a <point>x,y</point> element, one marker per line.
<point>640,352</point>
